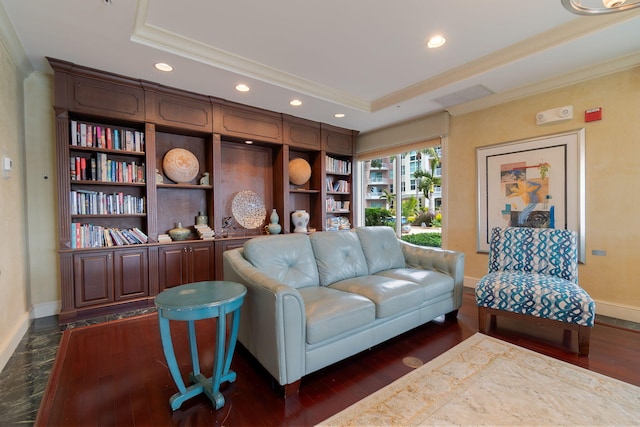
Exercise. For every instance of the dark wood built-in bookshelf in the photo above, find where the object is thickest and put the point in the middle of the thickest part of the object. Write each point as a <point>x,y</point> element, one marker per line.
<point>112,133</point>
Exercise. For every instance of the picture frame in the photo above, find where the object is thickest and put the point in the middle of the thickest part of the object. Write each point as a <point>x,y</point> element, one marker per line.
<point>536,182</point>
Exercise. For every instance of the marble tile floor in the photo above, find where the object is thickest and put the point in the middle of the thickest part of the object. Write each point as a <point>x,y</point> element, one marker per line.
<point>24,378</point>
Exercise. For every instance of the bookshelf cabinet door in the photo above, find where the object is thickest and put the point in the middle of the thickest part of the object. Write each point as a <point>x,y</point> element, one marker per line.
<point>202,262</point>
<point>93,278</point>
<point>173,263</point>
<point>131,278</point>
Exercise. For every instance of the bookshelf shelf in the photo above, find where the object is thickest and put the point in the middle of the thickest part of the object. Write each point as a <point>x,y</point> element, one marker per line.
<point>186,186</point>
<point>108,183</point>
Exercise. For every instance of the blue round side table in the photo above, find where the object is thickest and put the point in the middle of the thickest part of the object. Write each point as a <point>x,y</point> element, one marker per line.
<point>197,301</point>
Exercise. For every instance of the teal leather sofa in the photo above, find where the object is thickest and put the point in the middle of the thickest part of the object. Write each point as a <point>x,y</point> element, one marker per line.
<point>313,300</point>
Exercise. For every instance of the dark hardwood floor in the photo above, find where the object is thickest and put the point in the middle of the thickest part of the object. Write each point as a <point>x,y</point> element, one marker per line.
<point>116,375</point>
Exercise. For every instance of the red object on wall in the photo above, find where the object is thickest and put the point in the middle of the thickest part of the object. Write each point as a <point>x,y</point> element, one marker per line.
<point>593,114</point>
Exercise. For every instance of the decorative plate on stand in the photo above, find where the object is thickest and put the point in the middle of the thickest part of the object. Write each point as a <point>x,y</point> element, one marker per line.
<point>180,165</point>
<point>248,209</point>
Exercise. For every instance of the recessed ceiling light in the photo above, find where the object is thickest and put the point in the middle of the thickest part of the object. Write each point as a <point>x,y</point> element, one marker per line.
<point>436,41</point>
<point>295,102</point>
<point>242,87</point>
<point>163,67</point>
<point>248,142</point>
<point>339,115</point>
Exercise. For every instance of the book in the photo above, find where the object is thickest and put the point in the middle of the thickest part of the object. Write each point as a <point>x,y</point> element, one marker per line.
<point>74,132</point>
<point>83,134</point>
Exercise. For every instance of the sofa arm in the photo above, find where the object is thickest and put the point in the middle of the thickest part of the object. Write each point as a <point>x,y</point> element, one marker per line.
<point>437,259</point>
<point>272,320</point>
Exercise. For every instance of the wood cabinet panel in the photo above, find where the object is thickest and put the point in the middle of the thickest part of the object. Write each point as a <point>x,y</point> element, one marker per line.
<point>86,90</point>
<point>202,262</point>
<point>248,123</point>
<point>185,112</point>
<point>301,133</point>
<point>131,278</point>
<point>337,140</point>
<point>179,264</point>
<point>93,277</point>
<point>242,168</point>
<point>172,265</point>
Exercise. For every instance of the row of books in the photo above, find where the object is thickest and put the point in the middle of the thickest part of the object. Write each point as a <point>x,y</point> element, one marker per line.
<point>85,202</point>
<point>339,186</point>
<point>332,205</point>
<point>89,135</point>
<point>338,166</point>
<point>101,168</point>
<point>96,236</point>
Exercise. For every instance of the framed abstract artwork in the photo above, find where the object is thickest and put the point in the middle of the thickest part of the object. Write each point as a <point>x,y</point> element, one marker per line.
<point>538,182</point>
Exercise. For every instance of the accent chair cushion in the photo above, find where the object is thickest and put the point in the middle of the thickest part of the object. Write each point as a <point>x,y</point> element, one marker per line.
<point>287,258</point>
<point>538,295</point>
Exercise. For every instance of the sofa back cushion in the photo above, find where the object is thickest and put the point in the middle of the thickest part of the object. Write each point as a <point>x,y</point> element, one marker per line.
<point>287,258</point>
<point>381,248</point>
<point>339,256</point>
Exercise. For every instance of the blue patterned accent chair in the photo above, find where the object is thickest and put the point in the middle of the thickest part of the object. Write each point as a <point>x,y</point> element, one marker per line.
<point>534,272</point>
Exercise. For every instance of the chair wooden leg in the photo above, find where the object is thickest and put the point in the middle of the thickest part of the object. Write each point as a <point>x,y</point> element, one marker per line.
<point>584,336</point>
<point>482,319</point>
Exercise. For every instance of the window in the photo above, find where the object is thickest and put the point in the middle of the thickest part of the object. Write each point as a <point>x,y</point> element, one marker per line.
<point>420,196</point>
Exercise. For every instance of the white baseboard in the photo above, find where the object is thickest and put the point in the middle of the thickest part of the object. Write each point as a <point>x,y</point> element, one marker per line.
<point>13,339</point>
<point>470,282</point>
<point>46,309</point>
<point>624,312</point>
<point>604,308</point>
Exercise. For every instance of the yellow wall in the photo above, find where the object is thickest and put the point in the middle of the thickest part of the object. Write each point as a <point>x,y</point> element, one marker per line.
<point>612,180</point>
<point>42,194</point>
<point>14,311</point>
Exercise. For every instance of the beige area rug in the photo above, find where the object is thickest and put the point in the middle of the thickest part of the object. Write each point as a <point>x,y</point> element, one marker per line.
<point>485,381</point>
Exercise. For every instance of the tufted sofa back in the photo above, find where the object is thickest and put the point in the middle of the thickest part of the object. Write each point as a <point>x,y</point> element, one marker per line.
<point>534,250</point>
<point>287,258</point>
<point>339,256</point>
<point>381,248</point>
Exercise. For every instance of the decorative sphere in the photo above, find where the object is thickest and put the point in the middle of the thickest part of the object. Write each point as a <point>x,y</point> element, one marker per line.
<point>299,171</point>
<point>180,165</point>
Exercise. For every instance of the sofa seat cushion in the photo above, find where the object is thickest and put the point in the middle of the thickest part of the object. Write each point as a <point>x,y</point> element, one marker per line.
<point>537,295</point>
<point>381,248</point>
<point>331,312</point>
<point>390,296</point>
<point>339,256</point>
<point>287,258</point>
<point>434,284</point>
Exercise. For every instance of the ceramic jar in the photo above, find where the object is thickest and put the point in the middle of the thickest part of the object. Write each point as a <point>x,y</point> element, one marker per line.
<point>179,232</point>
<point>202,219</point>
<point>300,220</point>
